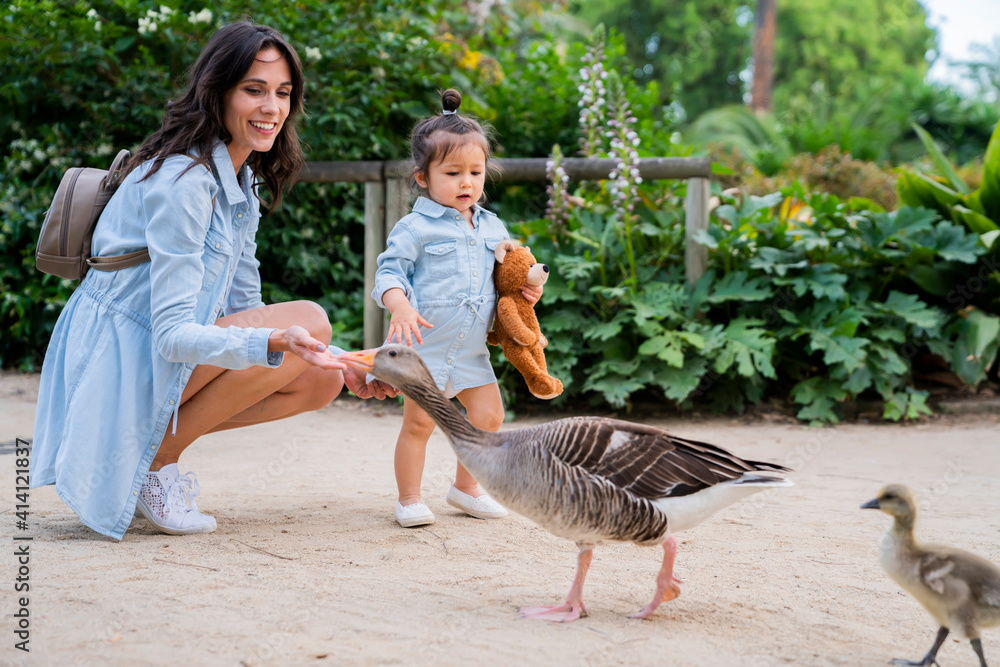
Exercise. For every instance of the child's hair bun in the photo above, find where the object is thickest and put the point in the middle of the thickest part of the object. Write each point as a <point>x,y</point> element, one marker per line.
<point>451,99</point>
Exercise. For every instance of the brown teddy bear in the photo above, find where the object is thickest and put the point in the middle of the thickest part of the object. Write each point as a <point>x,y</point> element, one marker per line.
<point>516,328</point>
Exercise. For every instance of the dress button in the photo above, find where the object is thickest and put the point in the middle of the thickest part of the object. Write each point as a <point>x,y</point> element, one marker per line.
<point>471,242</point>
<point>458,217</point>
<point>152,446</point>
<point>218,245</point>
<point>475,273</point>
<point>461,335</point>
<point>472,310</point>
<point>239,215</point>
<point>449,362</point>
<point>171,402</point>
<point>135,493</point>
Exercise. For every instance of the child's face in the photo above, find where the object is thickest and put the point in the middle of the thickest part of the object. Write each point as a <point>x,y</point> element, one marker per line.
<point>457,180</point>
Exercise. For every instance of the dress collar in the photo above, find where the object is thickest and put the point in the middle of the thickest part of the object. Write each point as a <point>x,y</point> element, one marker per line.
<point>227,175</point>
<point>432,209</point>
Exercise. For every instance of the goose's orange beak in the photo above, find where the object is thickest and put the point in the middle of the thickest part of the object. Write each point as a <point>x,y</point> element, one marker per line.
<point>364,360</point>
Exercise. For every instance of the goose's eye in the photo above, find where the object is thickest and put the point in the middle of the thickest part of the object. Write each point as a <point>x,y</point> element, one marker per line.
<point>392,353</point>
<point>889,496</point>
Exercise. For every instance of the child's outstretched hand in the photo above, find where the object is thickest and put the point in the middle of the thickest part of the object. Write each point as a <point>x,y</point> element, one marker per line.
<point>405,325</point>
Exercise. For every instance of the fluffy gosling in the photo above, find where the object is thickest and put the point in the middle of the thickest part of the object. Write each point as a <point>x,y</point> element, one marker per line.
<point>959,589</point>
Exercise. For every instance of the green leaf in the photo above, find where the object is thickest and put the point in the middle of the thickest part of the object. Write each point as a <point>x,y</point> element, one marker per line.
<point>735,286</point>
<point>982,334</point>
<point>974,220</point>
<point>847,351</point>
<point>929,279</point>
<point>666,347</point>
<point>603,331</point>
<point>824,281</point>
<point>940,161</point>
<point>750,347</point>
<point>912,310</point>
<point>721,169</point>
<point>989,239</point>
<point>953,244</point>
<point>820,396</point>
<point>678,383</point>
<point>987,198</point>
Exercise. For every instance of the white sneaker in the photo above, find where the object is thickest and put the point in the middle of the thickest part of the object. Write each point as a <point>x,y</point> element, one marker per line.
<point>416,514</point>
<point>167,502</point>
<point>482,507</point>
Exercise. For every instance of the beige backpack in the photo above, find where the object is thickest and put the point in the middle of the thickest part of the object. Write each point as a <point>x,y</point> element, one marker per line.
<point>64,243</point>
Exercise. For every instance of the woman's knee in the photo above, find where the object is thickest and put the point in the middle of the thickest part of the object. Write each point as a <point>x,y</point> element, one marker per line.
<point>316,388</point>
<point>314,318</point>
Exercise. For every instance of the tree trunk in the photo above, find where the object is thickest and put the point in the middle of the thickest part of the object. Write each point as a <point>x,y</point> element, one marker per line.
<point>763,56</point>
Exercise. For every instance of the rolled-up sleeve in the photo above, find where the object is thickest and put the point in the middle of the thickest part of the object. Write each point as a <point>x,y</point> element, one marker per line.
<point>178,212</point>
<point>395,265</point>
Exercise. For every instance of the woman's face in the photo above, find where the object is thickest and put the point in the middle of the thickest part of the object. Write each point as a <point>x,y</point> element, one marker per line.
<point>256,107</point>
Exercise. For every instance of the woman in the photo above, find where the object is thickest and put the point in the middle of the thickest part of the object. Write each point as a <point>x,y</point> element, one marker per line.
<point>145,360</point>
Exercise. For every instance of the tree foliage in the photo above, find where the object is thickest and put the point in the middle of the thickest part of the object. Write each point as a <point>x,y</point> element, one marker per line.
<point>694,51</point>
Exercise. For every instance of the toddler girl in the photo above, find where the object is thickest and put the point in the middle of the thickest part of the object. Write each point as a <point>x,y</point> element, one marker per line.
<point>437,272</point>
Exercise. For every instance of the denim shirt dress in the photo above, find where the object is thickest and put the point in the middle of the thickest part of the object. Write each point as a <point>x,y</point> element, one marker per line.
<point>124,346</point>
<point>445,268</point>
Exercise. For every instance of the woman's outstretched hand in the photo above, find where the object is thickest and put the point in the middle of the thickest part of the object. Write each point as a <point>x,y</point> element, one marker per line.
<point>354,378</point>
<point>296,339</point>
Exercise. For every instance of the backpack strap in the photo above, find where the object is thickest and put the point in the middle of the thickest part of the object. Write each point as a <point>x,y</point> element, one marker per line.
<point>130,259</point>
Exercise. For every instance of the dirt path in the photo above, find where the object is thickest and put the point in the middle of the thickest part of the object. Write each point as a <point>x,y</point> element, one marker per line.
<point>308,567</point>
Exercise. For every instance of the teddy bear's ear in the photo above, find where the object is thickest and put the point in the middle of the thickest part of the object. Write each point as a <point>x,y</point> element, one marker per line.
<point>503,248</point>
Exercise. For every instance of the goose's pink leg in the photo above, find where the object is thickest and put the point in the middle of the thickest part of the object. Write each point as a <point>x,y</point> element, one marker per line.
<point>666,583</point>
<point>573,608</point>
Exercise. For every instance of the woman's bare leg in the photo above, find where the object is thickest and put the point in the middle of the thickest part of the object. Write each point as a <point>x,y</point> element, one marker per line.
<point>216,399</point>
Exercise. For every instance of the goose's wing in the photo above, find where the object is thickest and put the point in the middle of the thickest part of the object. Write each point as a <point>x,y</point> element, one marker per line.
<point>644,460</point>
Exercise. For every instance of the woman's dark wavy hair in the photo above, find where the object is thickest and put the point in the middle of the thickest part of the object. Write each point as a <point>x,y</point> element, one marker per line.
<point>196,119</point>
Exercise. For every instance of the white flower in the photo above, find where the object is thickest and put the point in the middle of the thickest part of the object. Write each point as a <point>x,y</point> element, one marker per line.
<point>204,16</point>
<point>313,53</point>
<point>97,26</point>
<point>165,11</point>
<point>91,13</point>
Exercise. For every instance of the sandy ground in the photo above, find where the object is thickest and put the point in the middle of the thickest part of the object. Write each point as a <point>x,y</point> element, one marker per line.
<point>309,568</point>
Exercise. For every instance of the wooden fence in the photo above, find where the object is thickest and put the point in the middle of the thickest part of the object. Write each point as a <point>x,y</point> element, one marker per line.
<point>387,199</point>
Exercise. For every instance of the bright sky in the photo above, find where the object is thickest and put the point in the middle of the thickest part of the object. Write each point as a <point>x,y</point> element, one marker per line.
<point>960,23</point>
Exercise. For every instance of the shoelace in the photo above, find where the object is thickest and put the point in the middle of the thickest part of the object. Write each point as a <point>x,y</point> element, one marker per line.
<point>182,492</point>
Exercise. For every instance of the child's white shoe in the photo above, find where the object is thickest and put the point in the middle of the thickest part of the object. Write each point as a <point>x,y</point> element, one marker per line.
<point>416,514</point>
<point>482,507</point>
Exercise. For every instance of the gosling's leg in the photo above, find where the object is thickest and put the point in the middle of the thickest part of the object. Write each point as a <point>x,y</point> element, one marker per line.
<point>931,657</point>
<point>573,608</point>
<point>666,583</point>
<point>977,646</point>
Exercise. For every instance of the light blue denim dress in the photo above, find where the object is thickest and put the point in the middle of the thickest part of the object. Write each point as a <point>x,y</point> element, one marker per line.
<point>446,270</point>
<point>126,342</point>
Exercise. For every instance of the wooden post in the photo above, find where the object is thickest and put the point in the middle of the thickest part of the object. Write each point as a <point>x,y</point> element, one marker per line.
<point>374,333</point>
<point>696,217</point>
<point>397,201</point>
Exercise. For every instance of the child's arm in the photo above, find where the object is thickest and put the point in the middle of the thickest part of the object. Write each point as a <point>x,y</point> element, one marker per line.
<point>405,321</point>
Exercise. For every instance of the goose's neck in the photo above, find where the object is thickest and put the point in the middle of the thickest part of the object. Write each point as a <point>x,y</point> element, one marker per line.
<point>455,425</point>
<point>902,529</point>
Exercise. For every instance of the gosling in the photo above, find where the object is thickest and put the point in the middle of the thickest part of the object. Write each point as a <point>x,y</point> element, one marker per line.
<point>959,589</point>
